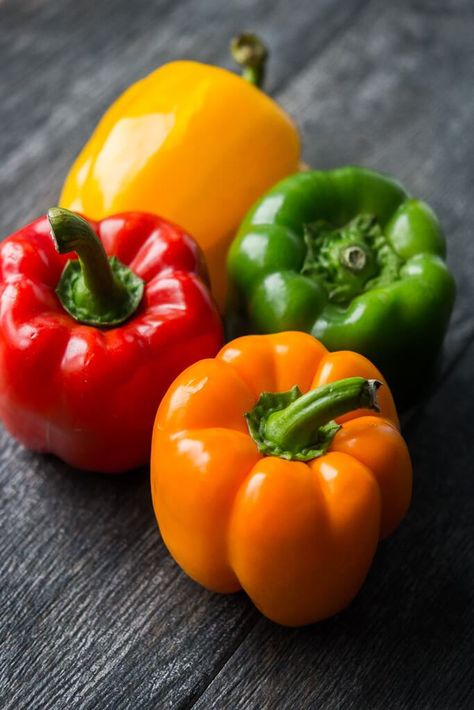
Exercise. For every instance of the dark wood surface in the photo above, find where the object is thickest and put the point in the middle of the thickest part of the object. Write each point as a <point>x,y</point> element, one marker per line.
<point>93,611</point>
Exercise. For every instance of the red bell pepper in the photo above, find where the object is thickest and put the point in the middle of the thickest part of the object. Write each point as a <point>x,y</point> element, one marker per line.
<point>89,343</point>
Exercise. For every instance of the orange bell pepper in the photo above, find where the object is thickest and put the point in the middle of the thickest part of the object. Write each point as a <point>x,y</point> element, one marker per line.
<point>285,503</point>
<point>196,144</point>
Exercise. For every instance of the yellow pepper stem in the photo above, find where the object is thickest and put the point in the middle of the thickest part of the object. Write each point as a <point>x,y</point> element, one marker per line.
<point>250,53</point>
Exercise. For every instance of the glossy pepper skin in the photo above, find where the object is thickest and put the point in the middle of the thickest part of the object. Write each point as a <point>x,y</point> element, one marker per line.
<point>194,143</point>
<point>297,536</point>
<point>89,394</point>
<point>348,256</point>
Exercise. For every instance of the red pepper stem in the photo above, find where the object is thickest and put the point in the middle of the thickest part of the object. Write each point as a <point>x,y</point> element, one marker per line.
<point>93,289</point>
<point>296,426</point>
<point>250,53</point>
<point>72,233</point>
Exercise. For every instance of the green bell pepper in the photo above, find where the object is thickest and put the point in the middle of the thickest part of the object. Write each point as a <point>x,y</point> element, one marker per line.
<point>348,256</point>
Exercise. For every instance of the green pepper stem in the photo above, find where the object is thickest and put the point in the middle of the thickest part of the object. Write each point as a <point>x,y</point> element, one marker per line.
<point>250,53</point>
<point>354,258</point>
<point>296,426</point>
<point>94,289</point>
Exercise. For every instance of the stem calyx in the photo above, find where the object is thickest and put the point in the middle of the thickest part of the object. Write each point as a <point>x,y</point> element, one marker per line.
<point>250,53</point>
<point>351,259</point>
<point>301,427</point>
<point>94,289</point>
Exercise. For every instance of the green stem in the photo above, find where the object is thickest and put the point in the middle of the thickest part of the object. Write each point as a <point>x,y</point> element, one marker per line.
<point>72,233</point>
<point>301,427</point>
<point>294,427</point>
<point>93,289</point>
<point>251,55</point>
<point>353,258</point>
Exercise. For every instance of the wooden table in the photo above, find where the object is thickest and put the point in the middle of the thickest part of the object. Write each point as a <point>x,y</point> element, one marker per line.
<point>94,612</point>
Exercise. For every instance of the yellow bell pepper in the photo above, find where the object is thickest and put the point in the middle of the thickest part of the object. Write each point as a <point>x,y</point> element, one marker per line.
<point>193,143</point>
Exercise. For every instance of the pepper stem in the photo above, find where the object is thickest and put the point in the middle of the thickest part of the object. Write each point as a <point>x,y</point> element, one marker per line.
<point>250,53</point>
<point>94,289</point>
<point>295,426</point>
<point>354,258</point>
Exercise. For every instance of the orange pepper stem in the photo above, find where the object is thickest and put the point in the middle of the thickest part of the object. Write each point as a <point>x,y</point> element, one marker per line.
<point>250,53</point>
<point>94,289</point>
<point>301,427</point>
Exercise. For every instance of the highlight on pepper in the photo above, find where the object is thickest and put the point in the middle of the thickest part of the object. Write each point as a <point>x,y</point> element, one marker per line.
<point>276,468</point>
<point>96,320</point>
<point>348,256</point>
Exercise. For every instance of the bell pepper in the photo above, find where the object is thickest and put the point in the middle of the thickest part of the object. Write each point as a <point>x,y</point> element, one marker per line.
<point>194,143</point>
<point>348,256</point>
<point>275,468</point>
<point>89,345</point>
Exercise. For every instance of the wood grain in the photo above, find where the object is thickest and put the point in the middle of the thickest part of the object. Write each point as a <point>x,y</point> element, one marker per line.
<point>93,612</point>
